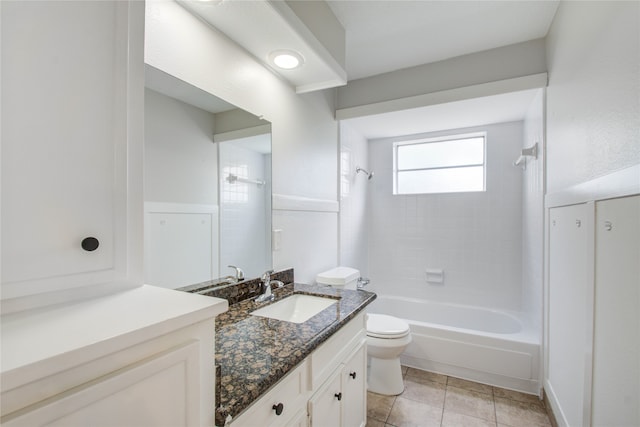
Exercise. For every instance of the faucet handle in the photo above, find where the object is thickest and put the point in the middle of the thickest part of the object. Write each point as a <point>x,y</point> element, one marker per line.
<point>266,275</point>
<point>239,272</point>
<point>277,283</point>
<point>362,282</point>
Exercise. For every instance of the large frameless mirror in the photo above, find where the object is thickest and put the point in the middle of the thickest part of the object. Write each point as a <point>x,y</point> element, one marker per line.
<point>207,186</point>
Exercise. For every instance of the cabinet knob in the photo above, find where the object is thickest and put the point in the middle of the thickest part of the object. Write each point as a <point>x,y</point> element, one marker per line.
<point>278,408</point>
<point>353,375</point>
<point>90,244</point>
<point>338,396</point>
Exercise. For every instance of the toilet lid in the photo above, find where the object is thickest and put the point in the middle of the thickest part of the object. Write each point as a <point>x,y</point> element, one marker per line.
<point>383,326</point>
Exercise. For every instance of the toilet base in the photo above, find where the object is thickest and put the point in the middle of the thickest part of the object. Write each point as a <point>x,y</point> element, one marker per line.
<point>385,376</point>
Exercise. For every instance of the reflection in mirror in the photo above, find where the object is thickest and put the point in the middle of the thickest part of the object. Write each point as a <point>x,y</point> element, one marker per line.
<point>196,223</point>
<point>244,159</point>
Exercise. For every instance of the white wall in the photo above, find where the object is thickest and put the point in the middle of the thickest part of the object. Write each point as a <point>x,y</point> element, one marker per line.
<point>353,200</point>
<point>304,132</point>
<point>474,237</point>
<point>592,130</point>
<point>181,160</point>
<point>593,98</point>
<point>533,215</point>
<point>180,177</point>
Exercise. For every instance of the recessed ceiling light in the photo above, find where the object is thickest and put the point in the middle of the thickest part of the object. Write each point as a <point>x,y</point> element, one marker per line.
<point>286,59</point>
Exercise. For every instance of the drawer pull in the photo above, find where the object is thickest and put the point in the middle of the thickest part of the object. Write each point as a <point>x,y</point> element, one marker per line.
<point>353,375</point>
<point>338,396</point>
<point>278,408</point>
<point>90,244</point>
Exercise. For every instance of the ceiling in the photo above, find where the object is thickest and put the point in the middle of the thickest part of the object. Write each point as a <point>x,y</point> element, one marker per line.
<point>383,36</point>
<point>387,35</point>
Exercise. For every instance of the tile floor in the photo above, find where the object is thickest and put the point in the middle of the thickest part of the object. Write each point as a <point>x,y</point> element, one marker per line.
<point>438,400</point>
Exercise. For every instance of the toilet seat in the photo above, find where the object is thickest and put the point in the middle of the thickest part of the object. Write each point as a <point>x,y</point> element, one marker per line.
<point>387,327</point>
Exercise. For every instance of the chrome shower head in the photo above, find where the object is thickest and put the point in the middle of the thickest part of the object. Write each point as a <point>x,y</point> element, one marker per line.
<point>369,174</point>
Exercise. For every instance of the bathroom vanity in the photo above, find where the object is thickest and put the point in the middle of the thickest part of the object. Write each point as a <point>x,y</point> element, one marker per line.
<point>276,372</point>
<point>107,361</point>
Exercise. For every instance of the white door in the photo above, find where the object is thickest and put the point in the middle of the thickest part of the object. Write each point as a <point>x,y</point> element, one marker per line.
<point>568,289</point>
<point>66,135</point>
<point>326,404</point>
<point>354,387</point>
<point>616,353</point>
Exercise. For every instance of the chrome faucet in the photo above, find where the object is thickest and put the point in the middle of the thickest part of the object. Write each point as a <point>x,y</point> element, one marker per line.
<point>266,288</point>
<point>362,282</point>
<point>239,274</point>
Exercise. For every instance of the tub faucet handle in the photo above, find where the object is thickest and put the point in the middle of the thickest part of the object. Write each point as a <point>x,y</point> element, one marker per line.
<point>362,282</point>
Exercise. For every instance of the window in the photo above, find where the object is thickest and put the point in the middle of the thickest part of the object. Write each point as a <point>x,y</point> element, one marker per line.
<point>439,165</point>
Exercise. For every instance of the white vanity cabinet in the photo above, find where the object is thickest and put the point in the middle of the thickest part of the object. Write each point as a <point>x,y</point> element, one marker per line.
<point>142,357</point>
<point>72,138</point>
<point>341,401</point>
<point>327,390</point>
<point>282,405</point>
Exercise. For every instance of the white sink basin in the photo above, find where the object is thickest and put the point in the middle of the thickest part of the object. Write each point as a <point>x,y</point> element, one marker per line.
<point>297,308</point>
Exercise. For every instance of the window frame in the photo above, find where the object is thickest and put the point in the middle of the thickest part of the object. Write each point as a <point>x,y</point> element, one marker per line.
<point>441,139</point>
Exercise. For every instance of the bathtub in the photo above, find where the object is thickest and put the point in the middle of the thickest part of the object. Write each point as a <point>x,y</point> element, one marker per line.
<point>487,346</point>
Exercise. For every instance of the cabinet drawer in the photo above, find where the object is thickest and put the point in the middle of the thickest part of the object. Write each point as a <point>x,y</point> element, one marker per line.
<point>335,350</point>
<point>291,392</point>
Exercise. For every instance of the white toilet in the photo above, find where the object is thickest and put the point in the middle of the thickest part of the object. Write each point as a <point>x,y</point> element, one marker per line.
<point>387,337</point>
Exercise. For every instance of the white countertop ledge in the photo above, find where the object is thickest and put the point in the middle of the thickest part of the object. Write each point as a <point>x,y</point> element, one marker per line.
<point>70,334</point>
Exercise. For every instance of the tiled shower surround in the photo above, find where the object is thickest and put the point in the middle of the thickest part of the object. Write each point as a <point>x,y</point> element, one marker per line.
<point>476,237</point>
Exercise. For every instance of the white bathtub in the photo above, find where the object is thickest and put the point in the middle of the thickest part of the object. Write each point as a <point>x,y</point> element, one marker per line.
<point>477,344</point>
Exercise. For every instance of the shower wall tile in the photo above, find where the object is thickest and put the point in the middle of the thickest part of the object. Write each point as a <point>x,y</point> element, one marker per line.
<point>353,203</point>
<point>474,237</point>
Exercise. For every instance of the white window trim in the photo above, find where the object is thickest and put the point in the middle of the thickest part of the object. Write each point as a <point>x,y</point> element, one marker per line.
<point>443,138</point>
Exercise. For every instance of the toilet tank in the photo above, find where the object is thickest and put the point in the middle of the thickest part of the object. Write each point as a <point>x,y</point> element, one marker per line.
<point>339,277</point>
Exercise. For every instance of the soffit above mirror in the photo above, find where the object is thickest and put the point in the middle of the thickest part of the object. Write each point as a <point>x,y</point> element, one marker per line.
<point>263,27</point>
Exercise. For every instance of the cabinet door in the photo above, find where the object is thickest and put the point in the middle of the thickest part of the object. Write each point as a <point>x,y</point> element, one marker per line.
<point>139,392</point>
<point>71,116</point>
<point>354,389</point>
<point>325,406</point>
<point>568,297</point>
<point>616,351</point>
<point>282,404</point>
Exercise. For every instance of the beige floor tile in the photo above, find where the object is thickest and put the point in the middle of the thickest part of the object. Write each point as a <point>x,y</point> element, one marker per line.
<point>452,419</point>
<point>513,413</point>
<point>404,369</point>
<point>431,376</point>
<point>470,385</point>
<point>379,406</point>
<point>424,391</point>
<point>409,413</point>
<point>516,395</point>
<point>374,423</point>
<point>468,402</point>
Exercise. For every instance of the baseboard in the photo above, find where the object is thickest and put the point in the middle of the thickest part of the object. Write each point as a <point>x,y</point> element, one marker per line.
<point>549,408</point>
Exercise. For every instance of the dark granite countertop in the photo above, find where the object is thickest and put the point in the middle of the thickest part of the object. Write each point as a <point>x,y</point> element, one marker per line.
<point>254,352</point>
